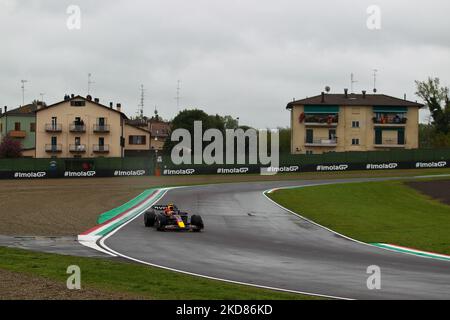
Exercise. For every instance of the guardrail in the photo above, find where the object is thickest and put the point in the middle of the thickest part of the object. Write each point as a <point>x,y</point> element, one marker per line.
<point>53,127</point>
<point>101,128</point>
<point>53,148</point>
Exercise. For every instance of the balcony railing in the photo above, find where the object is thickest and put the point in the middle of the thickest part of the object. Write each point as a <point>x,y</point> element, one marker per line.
<point>321,142</point>
<point>389,143</point>
<point>54,148</point>
<point>101,127</point>
<point>77,127</point>
<point>389,120</point>
<point>77,148</point>
<point>53,127</point>
<point>99,148</point>
<point>17,134</point>
<point>320,120</point>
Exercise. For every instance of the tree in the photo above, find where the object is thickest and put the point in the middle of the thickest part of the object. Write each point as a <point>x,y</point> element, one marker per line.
<point>10,148</point>
<point>230,122</point>
<point>185,120</point>
<point>426,134</point>
<point>285,140</point>
<point>437,100</point>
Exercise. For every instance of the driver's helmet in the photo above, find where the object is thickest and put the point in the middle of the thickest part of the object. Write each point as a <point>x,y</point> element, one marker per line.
<point>170,207</point>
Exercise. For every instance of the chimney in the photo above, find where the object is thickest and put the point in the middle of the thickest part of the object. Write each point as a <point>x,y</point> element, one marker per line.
<point>97,100</point>
<point>6,109</point>
<point>89,97</point>
<point>118,107</point>
<point>39,105</point>
<point>66,97</point>
<point>111,105</point>
<point>346,93</point>
<point>364,94</point>
<point>404,97</point>
<point>323,97</point>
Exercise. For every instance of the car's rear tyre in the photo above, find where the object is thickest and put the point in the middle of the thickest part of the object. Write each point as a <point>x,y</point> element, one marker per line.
<point>149,219</point>
<point>197,221</point>
<point>160,222</point>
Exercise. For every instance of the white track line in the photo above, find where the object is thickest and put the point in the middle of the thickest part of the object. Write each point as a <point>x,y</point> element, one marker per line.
<point>104,238</point>
<point>340,234</point>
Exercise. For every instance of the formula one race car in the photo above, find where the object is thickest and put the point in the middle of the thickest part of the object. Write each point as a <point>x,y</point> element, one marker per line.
<point>169,217</point>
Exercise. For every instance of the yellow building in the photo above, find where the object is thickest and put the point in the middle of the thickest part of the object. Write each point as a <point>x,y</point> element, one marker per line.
<point>159,130</point>
<point>353,122</point>
<point>82,127</point>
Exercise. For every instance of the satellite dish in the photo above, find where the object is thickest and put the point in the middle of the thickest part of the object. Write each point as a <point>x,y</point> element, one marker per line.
<point>327,89</point>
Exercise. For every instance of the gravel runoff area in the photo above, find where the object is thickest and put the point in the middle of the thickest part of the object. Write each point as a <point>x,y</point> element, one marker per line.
<point>67,207</point>
<point>20,286</point>
<point>439,189</point>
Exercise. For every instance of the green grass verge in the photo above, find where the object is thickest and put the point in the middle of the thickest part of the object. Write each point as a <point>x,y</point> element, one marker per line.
<point>383,212</point>
<point>135,279</point>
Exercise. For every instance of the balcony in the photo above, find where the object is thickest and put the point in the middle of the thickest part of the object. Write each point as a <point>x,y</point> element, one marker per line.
<point>77,148</point>
<point>391,121</point>
<point>101,128</point>
<point>53,148</point>
<point>53,127</point>
<point>99,148</point>
<point>77,128</point>
<point>389,143</point>
<point>17,134</point>
<point>321,120</point>
<point>321,142</point>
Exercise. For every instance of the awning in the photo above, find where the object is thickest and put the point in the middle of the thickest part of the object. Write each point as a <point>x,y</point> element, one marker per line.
<point>322,109</point>
<point>383,109</point>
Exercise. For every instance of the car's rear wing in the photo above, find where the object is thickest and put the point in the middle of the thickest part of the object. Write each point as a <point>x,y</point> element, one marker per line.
<point>161,207</point>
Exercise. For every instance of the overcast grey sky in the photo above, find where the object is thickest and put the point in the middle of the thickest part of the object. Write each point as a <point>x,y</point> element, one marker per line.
<point>246,58</point>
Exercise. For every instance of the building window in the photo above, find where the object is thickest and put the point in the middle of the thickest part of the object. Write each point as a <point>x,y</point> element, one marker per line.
<point>137,139</point>
<point>355,141</point>
<point>17,126</point>
<point>309,136</point>
<point>75,103</point>
<point>309,152</point>
<point>33,127</point>
<point>355,124</point>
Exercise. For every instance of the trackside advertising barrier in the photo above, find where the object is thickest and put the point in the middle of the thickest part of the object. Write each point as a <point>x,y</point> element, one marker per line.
<point>326,167</point>
<point>24,168</point>
<point>72,174</point>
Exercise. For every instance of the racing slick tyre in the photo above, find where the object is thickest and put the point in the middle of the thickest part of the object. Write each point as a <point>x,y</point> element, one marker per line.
<point>149,219</point>
<point>160,222</point>
<point>197,221</point>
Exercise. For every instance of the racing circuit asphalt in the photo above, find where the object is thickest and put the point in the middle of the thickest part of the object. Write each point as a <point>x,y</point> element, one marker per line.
<point>249,239</point>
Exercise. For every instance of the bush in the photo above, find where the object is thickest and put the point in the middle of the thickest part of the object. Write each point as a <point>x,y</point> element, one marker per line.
<point>10,148</point>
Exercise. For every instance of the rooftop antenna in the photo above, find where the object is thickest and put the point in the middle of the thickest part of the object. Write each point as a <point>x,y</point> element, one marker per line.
<point>42,96</point>
<point>90,82</point>
<point>156,113</point>
<point>23,91</point>
<point>178,93</point>
<point>352,82</point>
<point>141,104</point>
<point>375,71</point>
